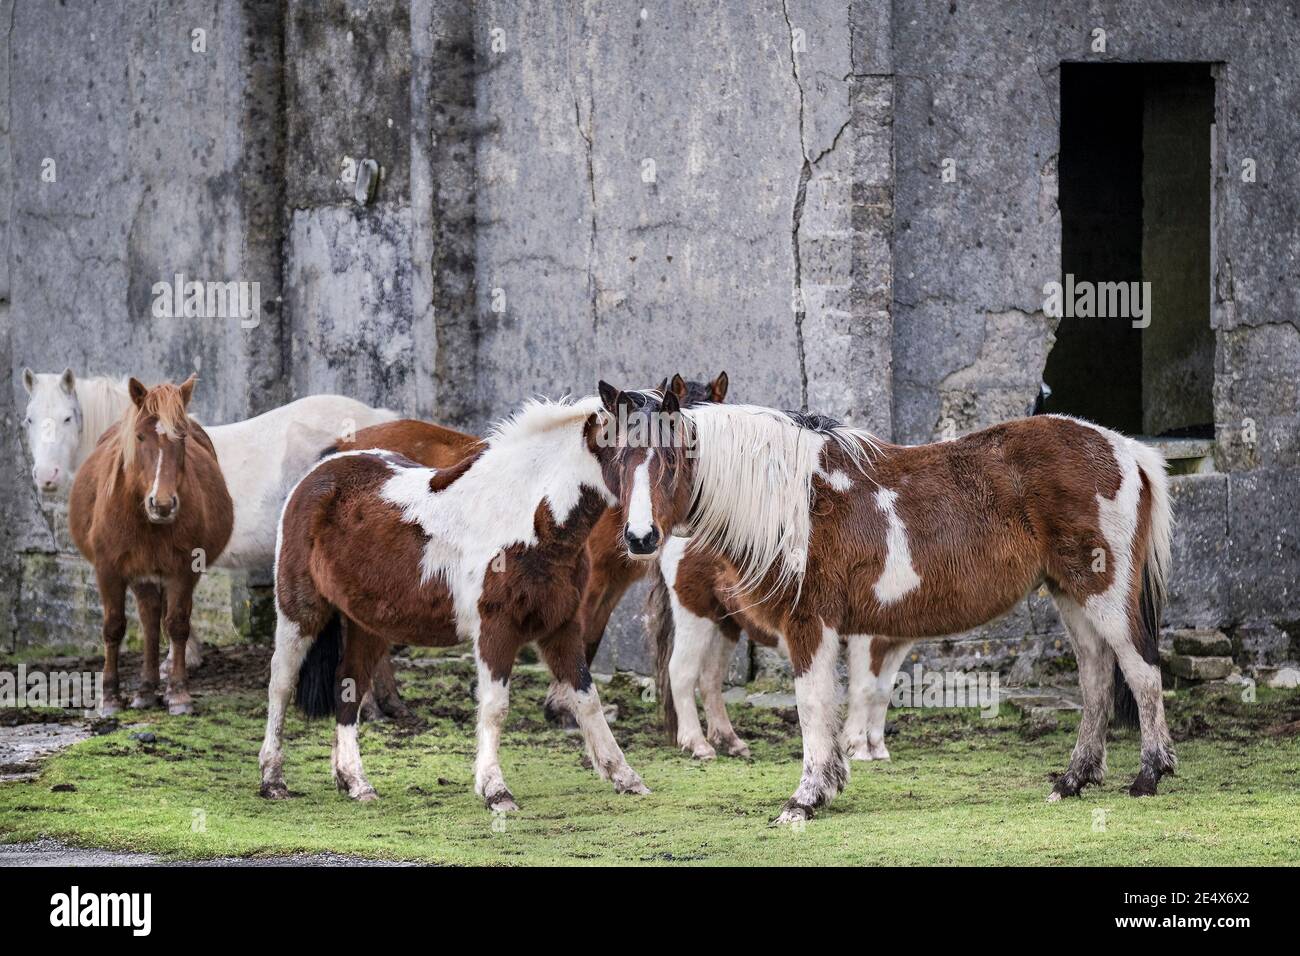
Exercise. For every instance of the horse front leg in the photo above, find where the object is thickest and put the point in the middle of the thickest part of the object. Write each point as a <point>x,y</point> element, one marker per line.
<point>494,653</point>
<point>180,598</point>
<point>563,653</point>
<point>112,594</point>
<point>825,769</point>
<point>149,602</point>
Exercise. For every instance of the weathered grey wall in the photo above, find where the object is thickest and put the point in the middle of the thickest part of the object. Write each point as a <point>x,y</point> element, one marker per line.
<point>622,190</point>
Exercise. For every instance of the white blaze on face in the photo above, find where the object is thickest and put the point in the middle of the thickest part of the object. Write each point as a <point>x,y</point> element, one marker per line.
<point>640,514</point>
<point>898,576</point>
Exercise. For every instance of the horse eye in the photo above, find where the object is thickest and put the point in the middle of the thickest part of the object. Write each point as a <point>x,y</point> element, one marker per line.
<point>68,419</point>
<point>139,436</point>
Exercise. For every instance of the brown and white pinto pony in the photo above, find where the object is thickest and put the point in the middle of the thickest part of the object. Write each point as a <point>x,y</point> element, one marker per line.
<point>491,550</point>
<point>832,533</point>
<point>150,510</point>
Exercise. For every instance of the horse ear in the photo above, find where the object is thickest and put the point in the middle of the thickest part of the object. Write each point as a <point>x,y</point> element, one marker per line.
<point>679,386</point>
<point>187,388</point>
<point>663,386</point>
<point>68,381</point>
<point>29,380</point>
<point>608,396</point>
<point>670,403</point>
<point>137,391</point>
<point>718,388</point>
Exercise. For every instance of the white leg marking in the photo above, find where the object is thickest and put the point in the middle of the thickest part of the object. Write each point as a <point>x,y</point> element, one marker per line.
<point>825,769</point>
<point>693,640</point>
<point>290,649</point>
<point>347,764</point>
<point>606,756</point>
<point>869,697</point>
<point>493,704</point>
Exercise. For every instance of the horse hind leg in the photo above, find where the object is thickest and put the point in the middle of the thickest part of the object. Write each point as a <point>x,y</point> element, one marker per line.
<point>721,734</point>
<point>362,652</point>
<point>1096,677</point>
<point>1143,678</point>
<point>291,649</point>
<point>873,665</point>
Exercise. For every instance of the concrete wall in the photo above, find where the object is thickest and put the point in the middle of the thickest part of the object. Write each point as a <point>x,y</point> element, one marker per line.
<point>622,190</point>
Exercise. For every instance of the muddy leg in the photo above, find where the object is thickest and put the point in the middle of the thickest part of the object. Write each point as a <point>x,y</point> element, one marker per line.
<point>149,601</point>
<point>362,651</point>
<point>290,651</point>
<point>112,594</point>
<point>1144,680</point>
<point>1096,679</point>
<point>721,734</point>
<point>563,654</point>
<point>816,687</point>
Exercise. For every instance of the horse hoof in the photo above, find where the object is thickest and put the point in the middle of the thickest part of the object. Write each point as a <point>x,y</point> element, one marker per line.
<point>1053,797</point>
<point>145,701</point>
<point>502,802</point>
<point>108,708</point>
<point>703,751</point>
<point>366,795</point>
<point>632,784</point>
<point>181,709</point>
<point>739,749</point>
<point>274,790</point>
<point>792,814</point>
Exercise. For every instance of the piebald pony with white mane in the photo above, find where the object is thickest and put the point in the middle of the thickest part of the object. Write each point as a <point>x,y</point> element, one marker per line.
<point>375,549</point>
<point>833,534</point>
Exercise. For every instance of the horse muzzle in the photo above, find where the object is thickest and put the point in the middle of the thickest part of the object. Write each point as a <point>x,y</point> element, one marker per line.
<point>642,547</point>
<point>162,513</point>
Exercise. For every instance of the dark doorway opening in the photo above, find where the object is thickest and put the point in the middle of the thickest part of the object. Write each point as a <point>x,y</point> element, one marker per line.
<point>1135,350</point>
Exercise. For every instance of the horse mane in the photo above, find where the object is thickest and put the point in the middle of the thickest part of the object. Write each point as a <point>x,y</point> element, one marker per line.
<point>163,402</point>
<point>540,415</point>
<point>103,400</point>
<point>753,485</point>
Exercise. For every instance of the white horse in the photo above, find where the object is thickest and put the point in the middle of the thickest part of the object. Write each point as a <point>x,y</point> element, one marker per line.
<point>261,458</point>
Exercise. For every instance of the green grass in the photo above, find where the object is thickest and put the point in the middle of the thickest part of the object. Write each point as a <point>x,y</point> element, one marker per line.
<point>960,790</point>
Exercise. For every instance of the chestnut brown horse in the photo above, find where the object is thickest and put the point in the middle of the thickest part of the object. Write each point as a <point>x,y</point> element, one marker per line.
<point>491,550</point>
<point>832,532</point>
<point>150,510</point>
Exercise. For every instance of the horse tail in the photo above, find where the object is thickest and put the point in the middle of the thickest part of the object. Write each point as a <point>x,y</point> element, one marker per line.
<point>1158,524</point>
<point>315,695</point>
<point>659,627</point>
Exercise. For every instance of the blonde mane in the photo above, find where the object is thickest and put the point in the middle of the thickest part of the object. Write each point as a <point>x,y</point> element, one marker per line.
<point>752,492</point>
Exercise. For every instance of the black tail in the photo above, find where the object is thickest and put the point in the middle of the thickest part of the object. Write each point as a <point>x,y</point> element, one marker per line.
<point>659,627</point>
<point>316,695</point>
<point>1126,709</point>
